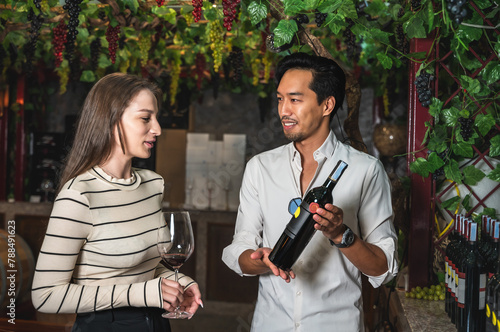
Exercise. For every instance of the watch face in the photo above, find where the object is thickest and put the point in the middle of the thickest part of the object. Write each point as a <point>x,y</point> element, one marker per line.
<point>349,238</point>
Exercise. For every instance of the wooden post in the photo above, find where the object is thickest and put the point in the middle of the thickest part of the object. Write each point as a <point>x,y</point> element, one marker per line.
<point>420,249</point>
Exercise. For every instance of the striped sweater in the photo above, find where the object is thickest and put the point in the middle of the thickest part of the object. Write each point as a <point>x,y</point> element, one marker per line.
<point>99,251</point>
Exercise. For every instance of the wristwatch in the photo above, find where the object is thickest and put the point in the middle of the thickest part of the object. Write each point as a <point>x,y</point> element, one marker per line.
<point>347,239</point>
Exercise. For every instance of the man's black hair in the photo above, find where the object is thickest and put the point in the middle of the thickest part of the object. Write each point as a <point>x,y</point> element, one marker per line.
<point>328,78</point>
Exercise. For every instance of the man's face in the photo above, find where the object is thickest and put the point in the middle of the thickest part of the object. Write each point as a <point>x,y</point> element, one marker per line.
<point>298,108</point>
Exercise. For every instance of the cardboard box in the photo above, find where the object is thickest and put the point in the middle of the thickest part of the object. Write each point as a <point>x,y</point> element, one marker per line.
<point>171,164</point>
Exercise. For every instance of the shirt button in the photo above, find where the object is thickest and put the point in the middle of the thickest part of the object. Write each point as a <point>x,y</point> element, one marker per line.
<point>298,294</point>
<point>297,324</point>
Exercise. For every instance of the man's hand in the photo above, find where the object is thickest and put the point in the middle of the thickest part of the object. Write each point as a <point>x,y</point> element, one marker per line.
<point>263,255</point>
<point>330,221</point>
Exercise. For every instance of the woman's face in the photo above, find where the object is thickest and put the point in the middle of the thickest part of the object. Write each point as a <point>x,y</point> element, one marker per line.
<point>139,126</point>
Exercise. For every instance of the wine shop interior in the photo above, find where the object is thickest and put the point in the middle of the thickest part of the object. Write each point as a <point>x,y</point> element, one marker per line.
<point>422,96</point>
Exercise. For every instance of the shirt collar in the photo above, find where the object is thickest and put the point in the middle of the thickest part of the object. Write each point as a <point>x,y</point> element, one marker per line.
<point>325,151</point>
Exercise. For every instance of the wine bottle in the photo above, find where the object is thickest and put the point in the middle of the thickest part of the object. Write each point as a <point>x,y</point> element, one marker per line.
<point>300,229</point>
<point>475,284</point>
<point>493,283</point>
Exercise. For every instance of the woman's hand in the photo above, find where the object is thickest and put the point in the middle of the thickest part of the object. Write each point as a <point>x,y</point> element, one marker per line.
<point>192,299</point>
<point>172,293</point>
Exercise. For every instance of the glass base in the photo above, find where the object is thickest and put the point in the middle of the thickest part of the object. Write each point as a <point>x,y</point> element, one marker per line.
<point>177,314</point>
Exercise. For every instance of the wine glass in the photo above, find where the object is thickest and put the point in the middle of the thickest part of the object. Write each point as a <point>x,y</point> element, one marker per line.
<point>175,244</point>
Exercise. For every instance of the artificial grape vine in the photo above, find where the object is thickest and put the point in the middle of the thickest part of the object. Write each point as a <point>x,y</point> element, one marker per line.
<point>144,46</point>
<point>112,38</point>
<point>160,2</point>
<point>255,72</point>
<point>95,50</point>
<point>422,83</point>
<point>200,63</point>
<point>236,60</point>
<point>197,6</point>
<point>440,171</point>
<point>216,43</point>
<point>466,127</point>
<point>229,10</point>
<point>63,73</point>
<point>319,18</point>
<point>415,5</point>
<point>30,47</point>
<point>302,19</point>
<point>350,41</point>
<point>59,39</point>
<point>73,8</point>
<point>267,68</point>
<point>457,10</point>
<point>174,79</point>
<point>124,65</point>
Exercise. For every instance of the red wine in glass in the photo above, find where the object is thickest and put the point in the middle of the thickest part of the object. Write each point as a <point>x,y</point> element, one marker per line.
<point>175,244</point>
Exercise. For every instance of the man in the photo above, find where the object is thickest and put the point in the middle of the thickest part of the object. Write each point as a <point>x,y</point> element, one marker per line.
<point>322,292</point>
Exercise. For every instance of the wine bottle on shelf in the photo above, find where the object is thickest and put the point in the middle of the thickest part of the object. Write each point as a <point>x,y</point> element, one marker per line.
<point>475,285</point>
<point>460,275</point>
<point>493,282</point>
<point>449,278</point>
<point>300,229</point>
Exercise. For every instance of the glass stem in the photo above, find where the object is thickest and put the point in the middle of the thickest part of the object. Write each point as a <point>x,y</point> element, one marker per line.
<point>176,272</point>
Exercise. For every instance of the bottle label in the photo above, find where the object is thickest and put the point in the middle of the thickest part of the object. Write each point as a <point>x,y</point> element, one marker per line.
<point>298,220</point>
<point>461,289</point>
<point>482,291</point>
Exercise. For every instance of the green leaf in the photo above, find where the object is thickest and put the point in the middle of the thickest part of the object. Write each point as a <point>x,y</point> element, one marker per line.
<point>437,139</point>
<point>379,35</point>
<point>491,73</point>
<point>463,149</point>
<point>451,204</point>
<point>384,60</point>
<point>450,116</point>
<point>375,7</point>
<point>472,85</point>
<point>472,175</point>
<point>495,146</point>
<point>414,28</point>
<point>430,16</point>
<point>466,202</point>
<point>311,4</point>
<point>452,171</point>
<point>104,61</point>
<point>336,24</point>
<point>484,123</point>
<point>435,162</point>
<point>332,6</point>
<point>490,212</point>
<point>346,9</point>
<point>420,166</point>
<point>88,76</point>
<point>468,34</point>
<point>483,4</point>
<point>435,107</point>
<point>284,32</point>
<point>494,174</point>
<point>257,11</point>
<point>132,4</point>
<point>292,7</point>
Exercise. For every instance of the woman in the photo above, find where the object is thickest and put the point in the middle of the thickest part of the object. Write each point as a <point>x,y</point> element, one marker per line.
<point>99,256</point>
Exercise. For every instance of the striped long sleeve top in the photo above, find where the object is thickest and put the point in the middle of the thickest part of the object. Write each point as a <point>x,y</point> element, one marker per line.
<point>99,251</point>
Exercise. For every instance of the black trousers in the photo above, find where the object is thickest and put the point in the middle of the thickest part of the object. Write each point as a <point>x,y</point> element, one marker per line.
<point>127,319</point>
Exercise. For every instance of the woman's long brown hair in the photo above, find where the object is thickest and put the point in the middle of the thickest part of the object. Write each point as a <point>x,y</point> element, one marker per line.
<point>101,113</point>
